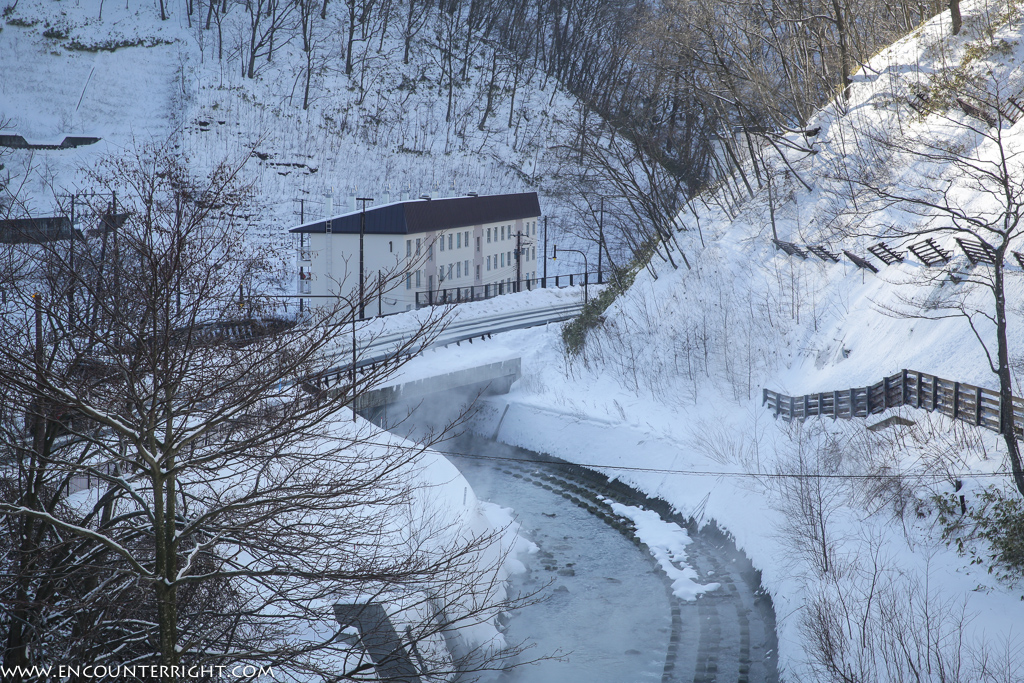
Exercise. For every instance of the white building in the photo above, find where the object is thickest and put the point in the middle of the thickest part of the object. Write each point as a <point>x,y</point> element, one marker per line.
<point>456,248</point>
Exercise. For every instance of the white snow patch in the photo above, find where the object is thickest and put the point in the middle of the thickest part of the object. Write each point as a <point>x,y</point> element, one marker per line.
<point>667,542</point>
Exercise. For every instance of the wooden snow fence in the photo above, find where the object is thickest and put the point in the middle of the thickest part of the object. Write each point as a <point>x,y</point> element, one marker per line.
<point>975,405</point>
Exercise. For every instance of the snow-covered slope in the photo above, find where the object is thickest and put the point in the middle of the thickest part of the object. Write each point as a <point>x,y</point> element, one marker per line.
<point>669,386</point>
<point>118,72</point>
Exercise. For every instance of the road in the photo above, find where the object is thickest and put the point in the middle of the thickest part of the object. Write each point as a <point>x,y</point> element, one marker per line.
<point>382,338</point>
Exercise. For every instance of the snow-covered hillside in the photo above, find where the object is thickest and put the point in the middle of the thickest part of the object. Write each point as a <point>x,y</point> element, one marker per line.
<point>118,72</point>
<point>669,386</point>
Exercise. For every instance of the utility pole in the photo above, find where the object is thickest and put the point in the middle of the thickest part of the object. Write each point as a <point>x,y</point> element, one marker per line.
<point>544,284</point>
<point>600,239</point>
<point>353,373</point>
<point>519,259</point>
<point>71,264</point>
<point>362,233</point>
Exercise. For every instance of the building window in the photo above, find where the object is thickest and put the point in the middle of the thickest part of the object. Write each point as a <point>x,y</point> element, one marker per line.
<point>467,242</point>
<point>408,248</point>
<point>467,267</point>
<point>449,241</point>
<point>478,272</point>
<point>442,242</point>
<point>458,240</point>
<point>535,253</point>
<point>503,232</point>
<point>408,280</point>
<point>488,263</point>
<point>430,251</point>
<point>458,269</point>
<point>488,235</point>
<point>503,260</point>
<point>510,258</point>
<point>417,279</point>
<point>417,246</point>
<point>478,244</point>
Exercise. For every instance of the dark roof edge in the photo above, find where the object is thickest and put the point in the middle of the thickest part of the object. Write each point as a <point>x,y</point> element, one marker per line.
<point>422,215</point>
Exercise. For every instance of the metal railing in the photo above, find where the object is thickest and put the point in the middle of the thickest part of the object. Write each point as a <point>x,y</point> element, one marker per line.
<point>975,405</point>
<point>385,347</point>
<point>456,295</point>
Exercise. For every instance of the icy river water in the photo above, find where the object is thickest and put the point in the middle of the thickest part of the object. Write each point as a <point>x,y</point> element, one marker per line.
<point>607,613</point>
<point>605,610</point>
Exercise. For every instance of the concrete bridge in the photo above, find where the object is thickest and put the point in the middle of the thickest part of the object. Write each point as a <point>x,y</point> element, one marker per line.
<point>485,380</point>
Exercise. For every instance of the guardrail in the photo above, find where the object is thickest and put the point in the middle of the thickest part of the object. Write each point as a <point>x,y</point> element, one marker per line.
<point>382,348</point>
<point>456,295</point>
<point>975,405</point>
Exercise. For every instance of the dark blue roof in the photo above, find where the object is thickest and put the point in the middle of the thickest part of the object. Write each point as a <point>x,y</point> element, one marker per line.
<point>421,215</point>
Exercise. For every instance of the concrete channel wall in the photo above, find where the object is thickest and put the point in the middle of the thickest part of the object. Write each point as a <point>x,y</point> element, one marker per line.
<point>495,378</point>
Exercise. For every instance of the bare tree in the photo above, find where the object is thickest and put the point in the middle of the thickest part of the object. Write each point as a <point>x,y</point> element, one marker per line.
<point>267,19</point>
<point>634,170</point>
<point>966,182</point>
<point>175,476</point>
<point>877,624</point>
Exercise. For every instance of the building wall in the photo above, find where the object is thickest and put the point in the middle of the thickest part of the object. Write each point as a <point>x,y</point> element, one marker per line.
<point>407,264</point>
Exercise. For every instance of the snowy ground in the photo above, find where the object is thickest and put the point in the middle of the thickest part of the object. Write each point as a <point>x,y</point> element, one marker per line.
<point>121,74</point>
<point>667,395</point>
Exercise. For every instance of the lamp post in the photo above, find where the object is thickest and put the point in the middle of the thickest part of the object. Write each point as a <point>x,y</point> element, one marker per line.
<point>362,232</point>
<point>586,270</point>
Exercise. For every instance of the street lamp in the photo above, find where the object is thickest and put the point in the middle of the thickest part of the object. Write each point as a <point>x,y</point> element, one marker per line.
<point>362,309</point>
<point>586,270</point>
<point>362,232</point>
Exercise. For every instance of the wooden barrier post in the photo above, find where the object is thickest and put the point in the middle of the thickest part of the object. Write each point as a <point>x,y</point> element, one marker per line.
<point>977,406</point>
<point>956,400</point>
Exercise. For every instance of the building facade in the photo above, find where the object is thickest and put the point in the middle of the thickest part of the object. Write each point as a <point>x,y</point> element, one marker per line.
<point>418,246</point>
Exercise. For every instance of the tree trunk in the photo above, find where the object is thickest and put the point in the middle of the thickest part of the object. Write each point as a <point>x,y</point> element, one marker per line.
<point>1006,421</point>
<point>166,564</point>
<point>954,12</point>
<point>844,46</point>
<point>490,91</point>
<point>351,36</point>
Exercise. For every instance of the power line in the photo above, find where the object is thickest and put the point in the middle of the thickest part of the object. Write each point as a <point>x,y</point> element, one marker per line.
<point>706,473</point>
